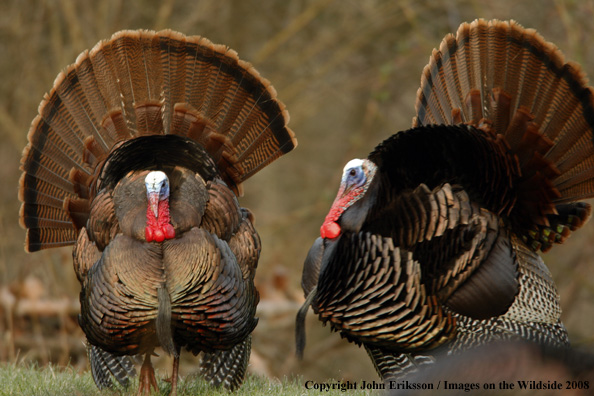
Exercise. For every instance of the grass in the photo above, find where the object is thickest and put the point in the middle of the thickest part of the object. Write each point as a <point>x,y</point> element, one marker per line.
<point>52,380</point>
<point>49,380</point>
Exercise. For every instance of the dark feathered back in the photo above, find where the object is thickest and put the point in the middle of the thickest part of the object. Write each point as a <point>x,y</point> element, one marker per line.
<point>517,88</point>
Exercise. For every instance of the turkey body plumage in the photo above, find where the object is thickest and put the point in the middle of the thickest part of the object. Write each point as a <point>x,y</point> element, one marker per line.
<point>211,297</point>
<point>431,243</point>
<point>194,291</point>
<point>137,157</point>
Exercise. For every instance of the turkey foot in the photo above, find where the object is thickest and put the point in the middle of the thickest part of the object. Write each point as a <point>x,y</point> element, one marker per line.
<point>147,378</point>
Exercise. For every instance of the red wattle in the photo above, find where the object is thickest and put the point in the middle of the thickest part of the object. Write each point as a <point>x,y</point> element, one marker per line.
<point>159,235</point>
<point>330,230</point>
<point>148,234</point>
<point>158,228</point>
<point>169,231</point>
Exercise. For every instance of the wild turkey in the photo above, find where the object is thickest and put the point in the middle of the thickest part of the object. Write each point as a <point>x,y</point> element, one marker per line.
<point>431,243</point>
<point>136,158</point>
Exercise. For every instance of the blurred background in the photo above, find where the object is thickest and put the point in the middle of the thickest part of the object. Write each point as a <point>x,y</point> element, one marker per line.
<point>348,71</point>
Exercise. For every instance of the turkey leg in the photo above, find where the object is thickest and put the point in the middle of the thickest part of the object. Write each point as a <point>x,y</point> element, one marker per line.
<point>174,375</point>
<point>147,378</point>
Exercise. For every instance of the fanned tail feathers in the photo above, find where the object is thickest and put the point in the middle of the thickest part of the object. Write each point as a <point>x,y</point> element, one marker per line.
<point>143,83</point>
<point>227,368</point>
<point>510,83</point>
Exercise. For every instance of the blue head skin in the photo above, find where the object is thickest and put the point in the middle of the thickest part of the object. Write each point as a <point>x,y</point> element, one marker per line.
<point>157,189</point>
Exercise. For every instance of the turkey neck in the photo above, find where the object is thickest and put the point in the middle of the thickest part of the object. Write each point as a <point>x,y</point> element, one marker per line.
<point>159,228</point>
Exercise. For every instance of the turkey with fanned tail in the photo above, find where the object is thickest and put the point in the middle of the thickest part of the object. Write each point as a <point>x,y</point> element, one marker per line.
<point>432,241</point>
<point>136,158</point>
